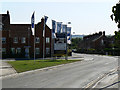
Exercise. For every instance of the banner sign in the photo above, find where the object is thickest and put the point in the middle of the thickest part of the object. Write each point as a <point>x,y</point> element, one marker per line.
<point>60,44</point>
<point>59,27</point>
<point>53,26</point>
<point>64,28</point>
<point>53,29</point>
<point>69,35</point>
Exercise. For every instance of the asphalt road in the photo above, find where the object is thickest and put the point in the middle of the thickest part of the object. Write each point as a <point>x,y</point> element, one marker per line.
<point>77,75</point>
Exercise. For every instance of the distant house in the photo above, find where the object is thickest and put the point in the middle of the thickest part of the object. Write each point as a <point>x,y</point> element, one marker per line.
<point>98,41</point>
<point>18,41</point>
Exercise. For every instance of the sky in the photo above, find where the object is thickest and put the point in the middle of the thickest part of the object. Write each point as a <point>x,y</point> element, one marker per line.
<point>86,16</point>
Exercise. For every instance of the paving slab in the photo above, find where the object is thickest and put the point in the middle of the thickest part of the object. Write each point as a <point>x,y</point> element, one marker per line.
<point>6,69</point>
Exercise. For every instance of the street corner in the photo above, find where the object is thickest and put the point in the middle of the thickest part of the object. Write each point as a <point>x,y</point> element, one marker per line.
<point>6,69</point>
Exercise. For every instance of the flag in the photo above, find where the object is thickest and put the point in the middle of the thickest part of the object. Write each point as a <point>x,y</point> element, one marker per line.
<point>69,35</point>
<point>32,23</point>
<point>45,20</point>
<point>59,27</point>
<point>45,17</point>
<point>53,28</point>
<point>64,28</point>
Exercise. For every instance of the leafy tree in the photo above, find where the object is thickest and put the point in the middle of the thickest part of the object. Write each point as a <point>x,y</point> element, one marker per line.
<point>116,17</point>
<point>117,39</point>
<point>116,14</point>
<point>75,42</point>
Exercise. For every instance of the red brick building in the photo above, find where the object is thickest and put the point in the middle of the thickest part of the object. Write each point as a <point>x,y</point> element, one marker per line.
<point>18,41</point>
<point>96,43</point>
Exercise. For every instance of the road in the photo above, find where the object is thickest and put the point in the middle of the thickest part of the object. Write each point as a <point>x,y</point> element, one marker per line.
<point>77,75</point>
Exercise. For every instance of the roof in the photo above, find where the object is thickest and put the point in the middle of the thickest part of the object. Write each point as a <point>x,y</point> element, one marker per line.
<point>20,30</point>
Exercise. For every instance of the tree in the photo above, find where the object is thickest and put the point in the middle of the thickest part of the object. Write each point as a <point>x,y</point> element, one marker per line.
<point>116,17</point>
<point>75,42</point>
<point>117,39</point>
<point>116,14</point>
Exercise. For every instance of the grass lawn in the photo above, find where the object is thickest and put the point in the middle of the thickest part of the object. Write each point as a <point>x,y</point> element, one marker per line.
<point>26,65</point>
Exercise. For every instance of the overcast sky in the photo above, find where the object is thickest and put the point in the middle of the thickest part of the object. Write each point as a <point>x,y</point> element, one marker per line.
<point>86,16</point>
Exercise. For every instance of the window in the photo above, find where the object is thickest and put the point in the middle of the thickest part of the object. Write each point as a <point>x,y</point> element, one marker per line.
<point>13,50</point>
<point>15,40</point>
<point>23,40</point>
<point>102,42</point>
<point>47,50</point>
<point>18,50</point>
<point>1,23</point>
<point>47,40</point>
<point>3,50</point>
<point>0,27</point>
<point>37,51</point>
<point>37,40</point>
<point>3,40</point>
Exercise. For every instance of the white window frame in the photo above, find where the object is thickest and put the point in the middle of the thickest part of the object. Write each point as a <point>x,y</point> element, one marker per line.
<point>47,51</point>
<point>47,40</point>
<point>0,26</point>
<point>4,50</point>
<point>4,40</point>
<point>13,50</point>
<point>102,42</point>
<point>17,50</point>
<point>15,41</point>
<point>23,40</point>
<point>36,51</point>
<point>37,40</point>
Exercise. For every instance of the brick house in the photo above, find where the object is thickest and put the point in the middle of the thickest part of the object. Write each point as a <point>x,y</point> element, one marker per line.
<point>18,41</point>
<point>96,43</point>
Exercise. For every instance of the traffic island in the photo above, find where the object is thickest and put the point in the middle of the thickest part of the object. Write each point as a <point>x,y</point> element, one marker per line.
<point>27,65</point>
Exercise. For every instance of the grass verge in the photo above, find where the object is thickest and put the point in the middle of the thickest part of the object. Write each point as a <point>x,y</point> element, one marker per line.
<point>27,65</point>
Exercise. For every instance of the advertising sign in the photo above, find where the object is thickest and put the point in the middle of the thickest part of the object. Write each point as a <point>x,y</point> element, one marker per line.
<point>69,35</point>
<point>60,44</point>
<point>59,26</point>
<point>64,28</point>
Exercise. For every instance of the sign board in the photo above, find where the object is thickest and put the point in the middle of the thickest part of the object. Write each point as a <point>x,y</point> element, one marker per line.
<point>60,46</point>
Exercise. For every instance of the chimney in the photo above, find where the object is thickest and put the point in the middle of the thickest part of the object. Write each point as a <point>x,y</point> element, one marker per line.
<point>7,12</point>
<point>100,33</point>
<point>103,33</point>
<point>42,20</point>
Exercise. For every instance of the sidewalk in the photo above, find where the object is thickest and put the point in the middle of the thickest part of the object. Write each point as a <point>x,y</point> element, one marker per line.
<point>110,81</point>
<point>6,69</point>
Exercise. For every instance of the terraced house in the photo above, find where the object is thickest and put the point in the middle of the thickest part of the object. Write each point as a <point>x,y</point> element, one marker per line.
<point>18,41</point>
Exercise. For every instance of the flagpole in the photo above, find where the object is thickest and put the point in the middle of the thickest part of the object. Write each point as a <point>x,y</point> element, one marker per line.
<point>34,43</point>
<point>66,58</point>
<point>44,38</point>
<point>51,44</point>
<point>34,35</point>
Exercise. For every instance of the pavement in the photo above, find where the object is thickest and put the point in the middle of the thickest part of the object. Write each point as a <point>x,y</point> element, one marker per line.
<point>6,69</point>
<point>111,80</point>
